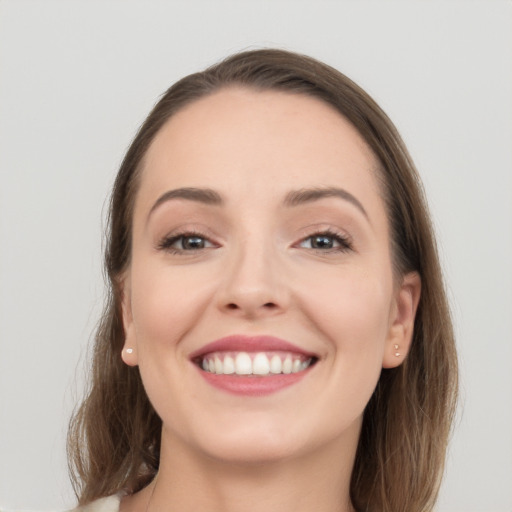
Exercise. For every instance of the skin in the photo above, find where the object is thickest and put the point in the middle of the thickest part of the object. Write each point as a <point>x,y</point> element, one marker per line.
<point>259,273</point>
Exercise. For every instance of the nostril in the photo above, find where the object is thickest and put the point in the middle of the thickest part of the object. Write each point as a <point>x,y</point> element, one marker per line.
<point>268,305</point>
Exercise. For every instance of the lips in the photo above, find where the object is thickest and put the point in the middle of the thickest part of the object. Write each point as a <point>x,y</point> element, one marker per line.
<point>252,365</point>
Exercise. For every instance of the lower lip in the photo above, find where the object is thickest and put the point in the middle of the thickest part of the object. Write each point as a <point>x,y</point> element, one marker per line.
<point>253,385</point>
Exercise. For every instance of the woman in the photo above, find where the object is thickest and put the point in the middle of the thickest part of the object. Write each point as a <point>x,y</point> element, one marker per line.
<point>277,334</point>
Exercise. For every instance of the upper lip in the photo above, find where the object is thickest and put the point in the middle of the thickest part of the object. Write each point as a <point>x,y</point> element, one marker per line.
<point>243,343</point>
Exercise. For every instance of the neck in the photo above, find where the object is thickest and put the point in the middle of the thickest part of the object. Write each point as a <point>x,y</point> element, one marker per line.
<point>188,481</point>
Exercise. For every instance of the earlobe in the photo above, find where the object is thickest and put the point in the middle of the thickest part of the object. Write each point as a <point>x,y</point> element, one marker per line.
<point>129,355</point>
<point>129,352</point>
<point>401,328</point>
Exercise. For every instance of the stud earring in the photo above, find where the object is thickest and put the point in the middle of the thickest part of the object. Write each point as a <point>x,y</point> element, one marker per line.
<point>129,350</point>
<point>397,354</point>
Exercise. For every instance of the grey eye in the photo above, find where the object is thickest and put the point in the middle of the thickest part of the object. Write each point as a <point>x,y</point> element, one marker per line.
<point>326,242</point>
<point>190,243</point>
<point>320,242</point>
<point>185,243</point>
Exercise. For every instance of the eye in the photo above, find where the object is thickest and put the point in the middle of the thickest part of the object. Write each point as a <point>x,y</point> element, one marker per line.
<point>326,241</point>
<point>185,242</point>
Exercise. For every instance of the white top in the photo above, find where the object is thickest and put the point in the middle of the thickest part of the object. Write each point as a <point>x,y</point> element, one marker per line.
<point>110,504</point>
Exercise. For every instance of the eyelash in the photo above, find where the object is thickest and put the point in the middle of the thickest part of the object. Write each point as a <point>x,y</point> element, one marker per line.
<point>166,244</point>
<point>345,243</point>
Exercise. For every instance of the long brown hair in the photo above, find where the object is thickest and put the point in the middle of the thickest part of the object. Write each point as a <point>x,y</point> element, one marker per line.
<point>114,437</point>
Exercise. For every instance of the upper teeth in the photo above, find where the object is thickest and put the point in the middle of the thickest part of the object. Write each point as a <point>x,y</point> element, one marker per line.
<point>259,363</point>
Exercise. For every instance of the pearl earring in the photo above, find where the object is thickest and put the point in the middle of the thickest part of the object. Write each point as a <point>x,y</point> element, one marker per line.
<point>129,350</point>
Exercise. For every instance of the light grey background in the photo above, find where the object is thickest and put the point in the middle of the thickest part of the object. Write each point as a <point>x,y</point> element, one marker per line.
<point>77,78</point>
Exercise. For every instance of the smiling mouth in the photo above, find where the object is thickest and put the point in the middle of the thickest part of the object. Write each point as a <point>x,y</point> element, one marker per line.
<point>254,364</point>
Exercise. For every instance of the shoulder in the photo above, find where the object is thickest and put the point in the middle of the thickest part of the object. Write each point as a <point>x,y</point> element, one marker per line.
<point>110,504</point>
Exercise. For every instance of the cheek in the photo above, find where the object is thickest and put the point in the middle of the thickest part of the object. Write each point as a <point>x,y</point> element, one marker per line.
<point>166,303</point>
<point>352,305</point>
<point>353,317</point>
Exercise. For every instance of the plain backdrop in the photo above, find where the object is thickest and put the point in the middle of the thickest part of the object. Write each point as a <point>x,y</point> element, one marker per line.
<point>76,80</point>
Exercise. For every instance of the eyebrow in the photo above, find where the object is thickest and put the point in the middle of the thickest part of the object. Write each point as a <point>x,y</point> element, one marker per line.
<point>199,195</point>
<point>308,195</point>
<point>293,198</point>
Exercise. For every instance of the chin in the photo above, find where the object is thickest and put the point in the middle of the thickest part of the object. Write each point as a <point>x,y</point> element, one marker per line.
<point>250,442</point>
<point>253,450</point>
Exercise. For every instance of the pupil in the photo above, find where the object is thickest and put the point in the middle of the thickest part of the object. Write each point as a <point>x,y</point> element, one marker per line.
<point>322,242</point>
<point>193,242</point>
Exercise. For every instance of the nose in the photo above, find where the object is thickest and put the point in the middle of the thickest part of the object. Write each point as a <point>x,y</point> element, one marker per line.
<point>253,284</point>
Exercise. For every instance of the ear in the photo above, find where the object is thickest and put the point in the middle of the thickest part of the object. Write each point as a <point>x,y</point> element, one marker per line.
<point>129,352</point>
<point>401,327</point>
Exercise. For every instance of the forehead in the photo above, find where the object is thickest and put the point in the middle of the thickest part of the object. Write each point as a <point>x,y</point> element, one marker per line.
<point>244,139</point>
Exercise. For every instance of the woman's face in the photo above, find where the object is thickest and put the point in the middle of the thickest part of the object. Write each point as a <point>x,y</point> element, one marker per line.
<point>260,302</point>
